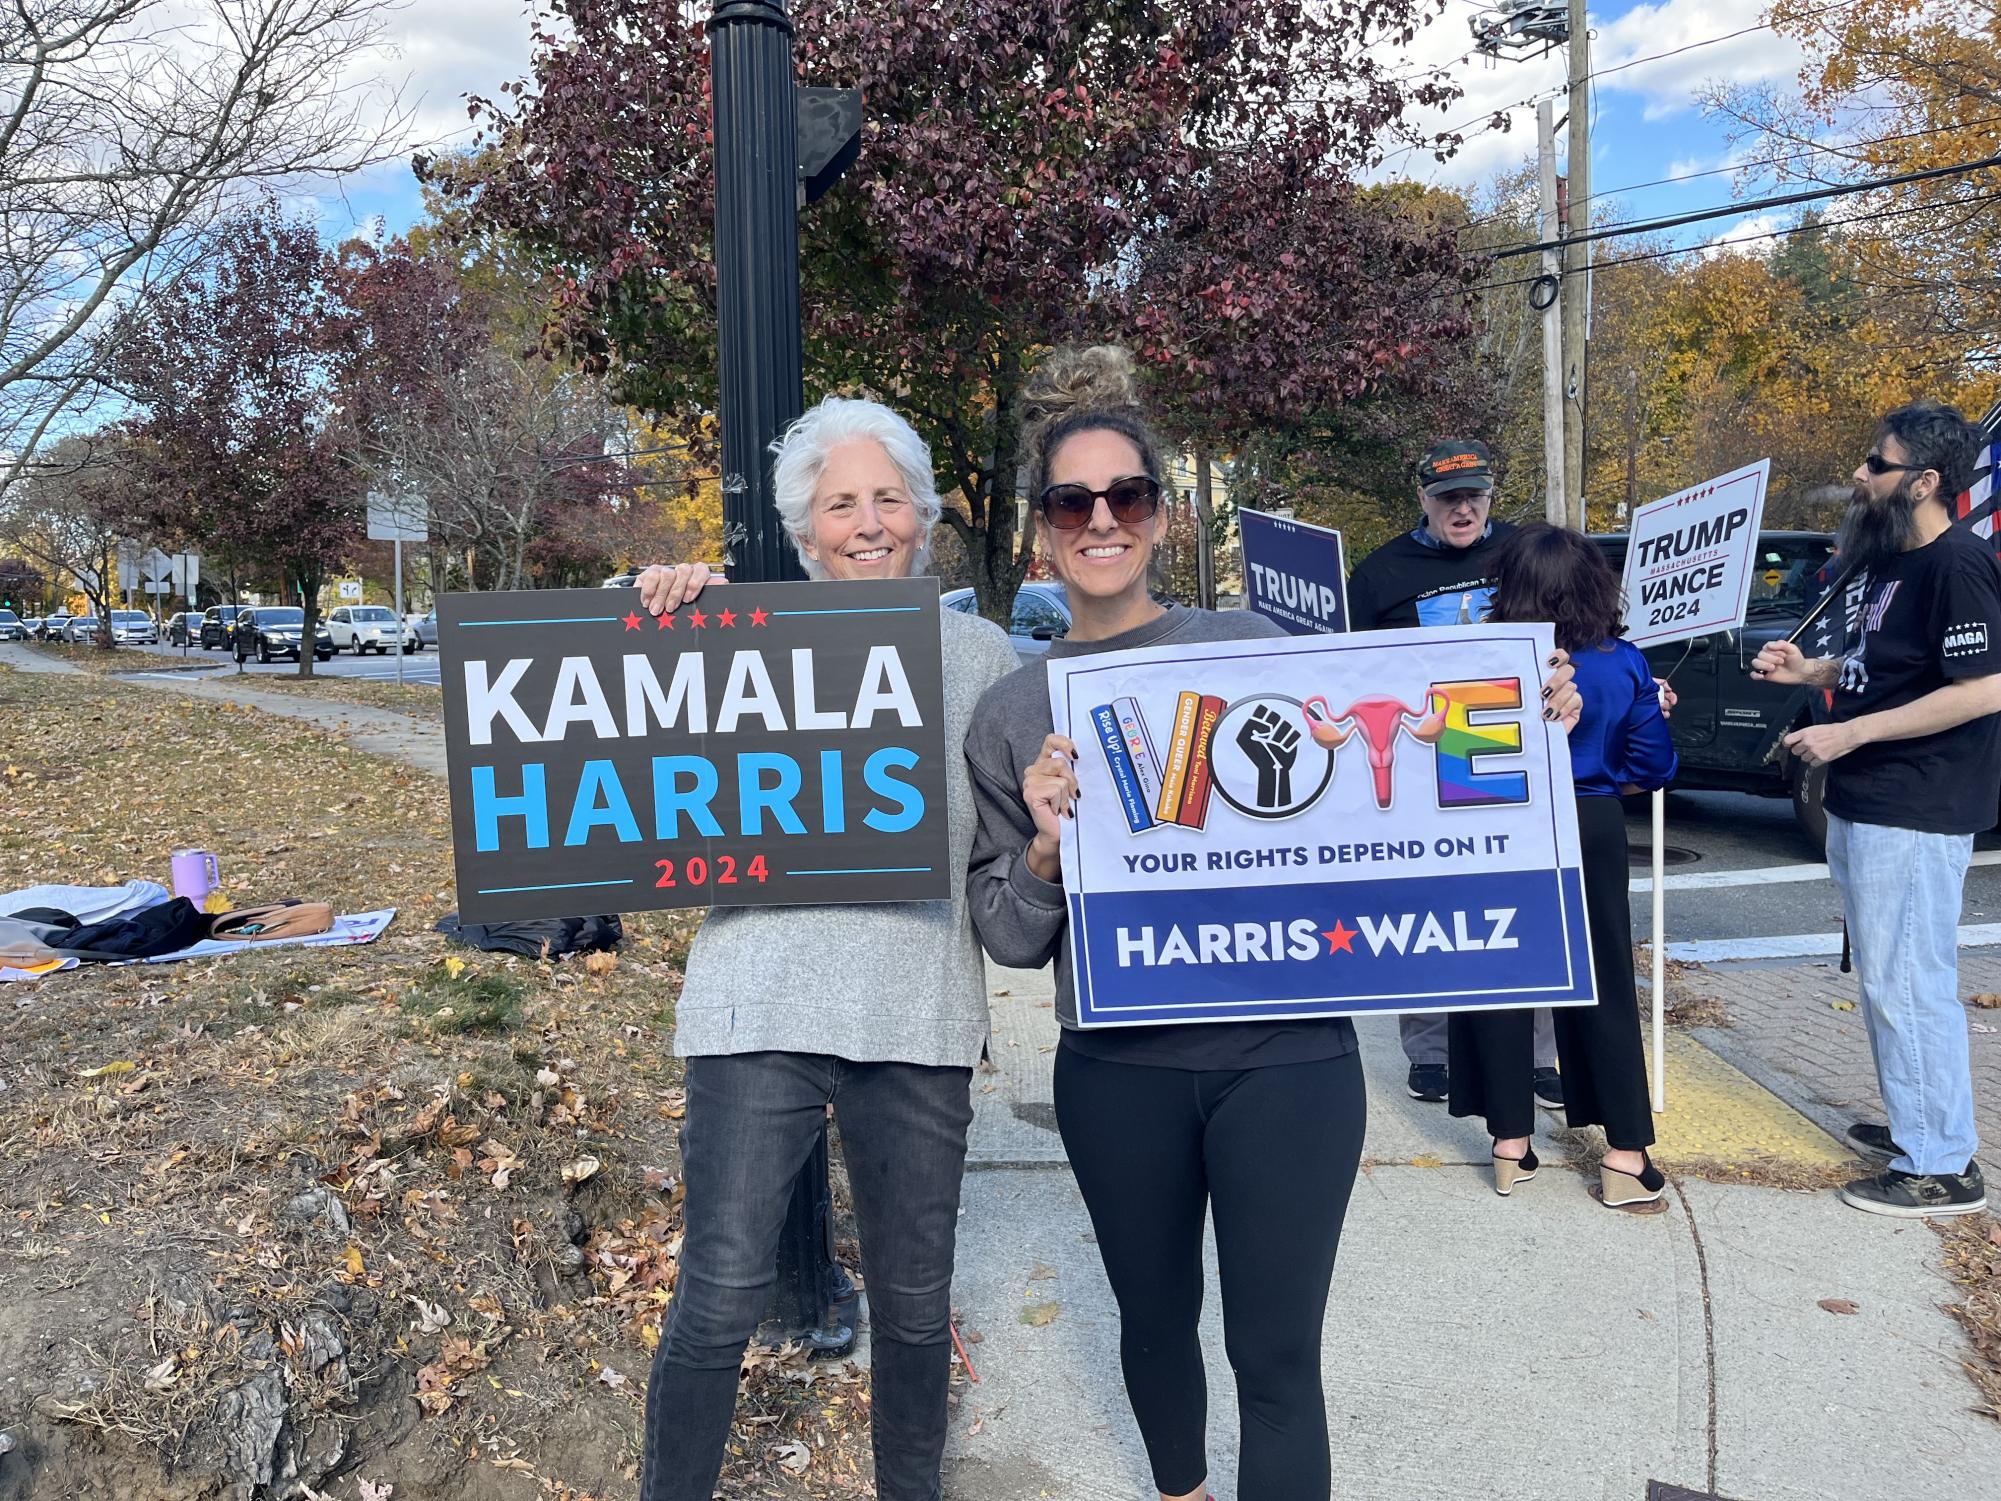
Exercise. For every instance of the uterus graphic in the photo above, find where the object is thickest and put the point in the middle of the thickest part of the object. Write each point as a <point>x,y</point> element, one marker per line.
<point>1379,720</point>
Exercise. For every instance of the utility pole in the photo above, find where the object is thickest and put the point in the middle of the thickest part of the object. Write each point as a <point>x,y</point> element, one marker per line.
<point>1544,294</point>
<point>759,190</point>
<point>1577,278</point>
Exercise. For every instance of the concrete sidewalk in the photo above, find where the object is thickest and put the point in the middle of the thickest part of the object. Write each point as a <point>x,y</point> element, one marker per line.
<point>1535,1348</point>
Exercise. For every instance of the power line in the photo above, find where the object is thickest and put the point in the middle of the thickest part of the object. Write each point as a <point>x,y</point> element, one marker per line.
<point>1780,200</point>
<point>1770,234</point>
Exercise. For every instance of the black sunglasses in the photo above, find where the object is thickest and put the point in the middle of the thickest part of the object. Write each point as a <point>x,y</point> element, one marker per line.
<point>1877,464</point>
<point>1067,507</point>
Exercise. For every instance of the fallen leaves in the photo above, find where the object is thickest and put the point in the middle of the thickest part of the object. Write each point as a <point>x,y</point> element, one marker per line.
<point>1840,1305</point>
<point>1987,1000</point>
<point>1040,1313</point>
<point>109,1070</point>
<point>581,1171</point>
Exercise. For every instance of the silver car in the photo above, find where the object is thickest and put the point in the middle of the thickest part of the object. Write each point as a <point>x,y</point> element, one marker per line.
<point>80,628</point>
<point>1041,615</point>
<point>134,627</point>
<point>12,627</point>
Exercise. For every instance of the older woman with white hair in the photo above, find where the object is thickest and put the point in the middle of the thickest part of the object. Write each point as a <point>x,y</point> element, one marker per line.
<point>878,1010</point>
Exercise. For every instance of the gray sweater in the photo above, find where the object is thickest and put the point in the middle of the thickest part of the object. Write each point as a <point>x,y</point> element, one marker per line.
<point>871,982</point>
<point>1024,921</point>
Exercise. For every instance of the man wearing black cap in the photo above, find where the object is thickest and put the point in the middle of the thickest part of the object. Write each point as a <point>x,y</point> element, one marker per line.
<point>1436,574</point>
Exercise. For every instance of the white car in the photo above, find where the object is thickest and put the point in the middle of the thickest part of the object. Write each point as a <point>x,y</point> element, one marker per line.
<point>362,628</point>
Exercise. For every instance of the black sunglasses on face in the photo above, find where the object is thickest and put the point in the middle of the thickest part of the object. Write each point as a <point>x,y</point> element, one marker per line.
<point>1877,464</point>
<point>1067,507</point>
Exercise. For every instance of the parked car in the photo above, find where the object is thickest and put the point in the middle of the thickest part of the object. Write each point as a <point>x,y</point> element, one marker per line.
<point>134,627</point>
<point>51,628</point>
<point>274,631</point>
<point>31,625</point>
<point>1041,615</point>
<point>12,627</point>
<point>362,628</point>
<point>218,624</point>
<point>80,628</point>
<point>183,628</point>
<point>1726,727</point>
<point>424,627</point>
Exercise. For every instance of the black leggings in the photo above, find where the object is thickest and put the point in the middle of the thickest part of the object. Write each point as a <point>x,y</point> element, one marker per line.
<point>1276,1150</point>
<point>1604,1069</point>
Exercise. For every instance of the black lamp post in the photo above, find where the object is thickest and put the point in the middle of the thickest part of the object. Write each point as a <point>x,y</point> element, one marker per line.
<point>755,116</point>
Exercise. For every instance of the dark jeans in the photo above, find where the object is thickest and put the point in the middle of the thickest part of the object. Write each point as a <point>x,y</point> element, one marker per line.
<point>1271,1154</point>
<point>752,1120</point>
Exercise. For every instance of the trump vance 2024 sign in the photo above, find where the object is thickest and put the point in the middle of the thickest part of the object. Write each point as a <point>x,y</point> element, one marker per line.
<point>766,743</point>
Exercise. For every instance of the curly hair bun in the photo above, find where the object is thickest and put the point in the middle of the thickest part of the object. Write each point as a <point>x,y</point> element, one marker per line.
<point>1102,378</point>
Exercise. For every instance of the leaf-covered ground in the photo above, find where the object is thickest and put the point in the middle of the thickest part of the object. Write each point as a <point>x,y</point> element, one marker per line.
<point>295,1221</point>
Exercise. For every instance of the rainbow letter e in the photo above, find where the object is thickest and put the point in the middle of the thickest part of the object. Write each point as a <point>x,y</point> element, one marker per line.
<point>1459,785</point>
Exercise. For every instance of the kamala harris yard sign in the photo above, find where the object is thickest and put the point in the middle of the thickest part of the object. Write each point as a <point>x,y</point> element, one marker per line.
<point>765,743</point>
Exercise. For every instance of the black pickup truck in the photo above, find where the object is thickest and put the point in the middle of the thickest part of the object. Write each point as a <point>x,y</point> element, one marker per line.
<point>1726,727</point>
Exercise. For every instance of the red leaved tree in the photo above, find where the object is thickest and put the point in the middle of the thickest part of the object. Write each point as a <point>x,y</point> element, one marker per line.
<point>1032,172</point>
<point>236,373</point>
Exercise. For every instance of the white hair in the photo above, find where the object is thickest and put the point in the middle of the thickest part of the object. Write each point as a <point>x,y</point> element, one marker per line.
<point>802,457</point>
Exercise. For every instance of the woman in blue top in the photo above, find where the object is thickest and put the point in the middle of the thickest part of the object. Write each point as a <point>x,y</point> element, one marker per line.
<point>1620,745</point>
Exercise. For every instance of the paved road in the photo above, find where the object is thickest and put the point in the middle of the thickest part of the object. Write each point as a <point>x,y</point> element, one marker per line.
<point>418,667</point>
<point>1756,876</point>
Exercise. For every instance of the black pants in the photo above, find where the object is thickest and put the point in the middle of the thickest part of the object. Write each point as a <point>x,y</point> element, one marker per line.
<point>1604,1069</point>
<point>752,1120</point>
<point>1275,1149</point>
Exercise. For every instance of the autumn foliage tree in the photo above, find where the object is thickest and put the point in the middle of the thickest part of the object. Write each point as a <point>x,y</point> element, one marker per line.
<point>1176,176</point>
<point>235,374</point>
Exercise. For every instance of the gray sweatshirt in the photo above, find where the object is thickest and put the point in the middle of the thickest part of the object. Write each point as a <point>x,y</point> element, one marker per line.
<point>1024,921</point>
<point>871,982</point>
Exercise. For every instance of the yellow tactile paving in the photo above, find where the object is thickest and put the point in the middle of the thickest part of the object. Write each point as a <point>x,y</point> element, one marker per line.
<point>1718,1115</point>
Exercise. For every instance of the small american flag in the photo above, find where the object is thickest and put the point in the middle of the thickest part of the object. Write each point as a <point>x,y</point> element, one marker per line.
<point>1977,504</point>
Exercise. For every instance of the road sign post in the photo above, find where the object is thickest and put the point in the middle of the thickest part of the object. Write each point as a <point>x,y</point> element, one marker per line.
<point>396,519</point>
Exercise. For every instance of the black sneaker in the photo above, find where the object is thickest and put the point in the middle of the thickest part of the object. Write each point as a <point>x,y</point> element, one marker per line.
<point>1429,1082</point>
<point>1917,1196</point>
<point>1873,1141</point>
<point>1549,1089</point>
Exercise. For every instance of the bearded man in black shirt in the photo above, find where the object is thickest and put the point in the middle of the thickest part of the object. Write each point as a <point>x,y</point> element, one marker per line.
<point>1913,750</point>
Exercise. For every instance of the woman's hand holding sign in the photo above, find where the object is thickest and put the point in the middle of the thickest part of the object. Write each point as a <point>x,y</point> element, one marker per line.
<point>665,587</point>
<point>1561,700</point>
<point>1049,790</point>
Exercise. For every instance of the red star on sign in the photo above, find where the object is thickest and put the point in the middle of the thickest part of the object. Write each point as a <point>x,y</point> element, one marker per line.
<point>632,622</point>
<point>666,621</point>
<point>1340,938</point>
<point>727,617</point>
<point>697,619</point>
<point>759,617</point>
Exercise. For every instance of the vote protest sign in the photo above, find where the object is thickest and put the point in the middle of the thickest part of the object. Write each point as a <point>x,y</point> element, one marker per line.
<point>1689,558</point>
<point>1331,825</point>
<point>1294,573</point>
<point>765,743</point>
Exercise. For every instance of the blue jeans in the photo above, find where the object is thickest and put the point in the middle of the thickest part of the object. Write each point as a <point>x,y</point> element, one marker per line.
<point>1901,889</point>
<point>752,1120</point>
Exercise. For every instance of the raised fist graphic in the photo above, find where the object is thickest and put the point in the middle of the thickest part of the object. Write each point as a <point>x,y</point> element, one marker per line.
<point>1273,746</point>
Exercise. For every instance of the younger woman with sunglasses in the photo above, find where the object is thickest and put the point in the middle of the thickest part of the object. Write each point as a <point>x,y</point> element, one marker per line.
<point>1262,1119</point>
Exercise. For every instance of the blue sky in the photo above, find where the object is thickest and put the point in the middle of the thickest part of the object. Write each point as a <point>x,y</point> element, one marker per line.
<point>1647,124</point>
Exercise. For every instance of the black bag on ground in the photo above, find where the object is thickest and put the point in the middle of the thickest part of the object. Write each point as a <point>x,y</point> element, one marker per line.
<point>165,928</point>
<point>534,938</point>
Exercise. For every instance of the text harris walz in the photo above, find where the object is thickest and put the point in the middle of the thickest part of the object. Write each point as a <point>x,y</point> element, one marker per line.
<point>766,743</point>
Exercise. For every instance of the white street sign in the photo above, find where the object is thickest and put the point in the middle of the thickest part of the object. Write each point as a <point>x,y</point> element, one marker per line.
<point>348,591</point>
<point>186,574</point>
<point>157,586</point>
<point>398,518</point>
<point>128,566</point>
<point>1689,558</point>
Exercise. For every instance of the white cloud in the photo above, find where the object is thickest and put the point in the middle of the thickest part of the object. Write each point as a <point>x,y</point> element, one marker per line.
<point>1748,236</point>
<point>1639,42</point>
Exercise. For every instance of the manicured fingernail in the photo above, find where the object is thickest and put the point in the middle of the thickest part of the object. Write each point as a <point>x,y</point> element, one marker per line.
<point>1552,661</point>
<point>1549,713</point>
<point>1547,692</point>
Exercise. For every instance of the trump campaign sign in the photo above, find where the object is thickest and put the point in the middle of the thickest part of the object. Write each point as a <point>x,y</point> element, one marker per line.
<point>1333,825</point>
<point>1689,558</point>
<point>1294,574</point>
<point>764,743</point>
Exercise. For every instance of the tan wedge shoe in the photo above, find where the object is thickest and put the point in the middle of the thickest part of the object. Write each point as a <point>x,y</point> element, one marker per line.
<point>1624,1190</point>
<point>1508,1171</point>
